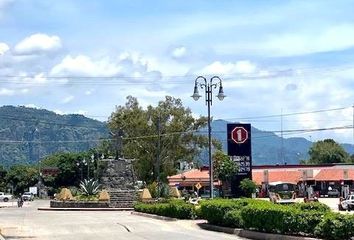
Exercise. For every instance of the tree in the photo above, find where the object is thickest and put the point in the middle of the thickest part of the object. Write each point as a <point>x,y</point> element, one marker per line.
<point>3,173</point>
<point>176,127</point>
<point>327,151</point>
<point>224,167</point>
<point>248,187</point>
<point>352,158</point>
<point>21,177</point>
<point>69,172</point>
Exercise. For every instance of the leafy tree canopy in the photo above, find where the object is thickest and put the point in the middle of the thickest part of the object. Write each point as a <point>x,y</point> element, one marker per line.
<point>224,167</point>
<point>70,169</point>
<point>327,151</point>
<point>177,138</point>
<point>248,187</point>
<point>21,177</point>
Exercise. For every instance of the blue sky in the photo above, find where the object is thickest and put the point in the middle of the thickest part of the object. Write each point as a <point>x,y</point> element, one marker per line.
<point>273,56</point>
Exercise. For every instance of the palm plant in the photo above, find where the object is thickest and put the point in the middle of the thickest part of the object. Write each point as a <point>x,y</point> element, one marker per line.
<point>89,187</point>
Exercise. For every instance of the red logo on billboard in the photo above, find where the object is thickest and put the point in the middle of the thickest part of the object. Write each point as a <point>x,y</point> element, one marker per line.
<point>239,135</point>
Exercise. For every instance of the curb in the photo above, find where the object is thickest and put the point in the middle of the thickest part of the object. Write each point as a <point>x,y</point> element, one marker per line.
<point>251,234</point>
<point>84,209</point>
<point>154,216</point>
<point>1,237</point>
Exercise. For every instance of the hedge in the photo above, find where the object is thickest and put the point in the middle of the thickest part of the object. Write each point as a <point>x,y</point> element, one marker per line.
<point>215,210</point>
<point>336,226</point>
<point>280,219</point>
<point>305,219</point>
<point>175,209</point>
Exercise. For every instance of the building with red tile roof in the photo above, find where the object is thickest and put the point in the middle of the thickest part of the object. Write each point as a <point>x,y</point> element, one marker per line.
<point>321,177</point>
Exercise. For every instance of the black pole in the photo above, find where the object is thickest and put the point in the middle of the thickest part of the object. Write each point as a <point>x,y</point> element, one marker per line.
<point>158,153</point>
<point>211,180</point>
<point>208,96</point>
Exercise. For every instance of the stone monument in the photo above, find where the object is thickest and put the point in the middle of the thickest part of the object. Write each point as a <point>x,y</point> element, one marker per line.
<point>118,179</point>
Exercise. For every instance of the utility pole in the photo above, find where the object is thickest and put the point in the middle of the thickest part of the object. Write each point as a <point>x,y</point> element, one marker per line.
<point>282,139</point>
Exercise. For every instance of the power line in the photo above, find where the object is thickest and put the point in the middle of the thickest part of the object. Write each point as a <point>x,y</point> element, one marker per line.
<point>288,114</point>
<point>241,77</point>
<point>285,132</point>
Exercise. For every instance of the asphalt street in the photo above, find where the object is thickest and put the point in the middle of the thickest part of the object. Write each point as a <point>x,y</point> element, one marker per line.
<point>29,223</point>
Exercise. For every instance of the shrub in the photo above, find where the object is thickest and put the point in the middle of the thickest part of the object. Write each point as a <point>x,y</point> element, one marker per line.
<point>174,208</point>
<point>233,219</point>
<point>267,218</point>
<point>336,226</point>
<point>153,189</point>
<point>215,210</point>
<point>312,206</point>
<point>248,187</point>
<point>292,219</point>
<point>87,198</point>
<point>89,187</point>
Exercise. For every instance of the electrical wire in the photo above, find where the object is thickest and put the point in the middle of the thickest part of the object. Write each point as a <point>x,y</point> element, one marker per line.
<point>286,132</point>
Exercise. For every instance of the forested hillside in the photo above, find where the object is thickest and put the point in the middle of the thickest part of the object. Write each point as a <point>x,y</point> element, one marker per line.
<point>27,134</point>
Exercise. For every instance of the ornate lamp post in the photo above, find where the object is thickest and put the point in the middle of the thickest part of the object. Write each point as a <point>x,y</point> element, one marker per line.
<point>208,86</point>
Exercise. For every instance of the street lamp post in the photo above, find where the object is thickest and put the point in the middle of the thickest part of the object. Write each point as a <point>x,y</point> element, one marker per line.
<point>81,164</point>
<point>208,86</point>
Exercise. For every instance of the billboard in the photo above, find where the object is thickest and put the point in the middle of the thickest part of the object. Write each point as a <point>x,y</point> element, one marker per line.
<point>239,150</point>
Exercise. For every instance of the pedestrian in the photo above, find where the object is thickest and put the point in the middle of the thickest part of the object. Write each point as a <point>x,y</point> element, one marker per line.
<point>20,201</point>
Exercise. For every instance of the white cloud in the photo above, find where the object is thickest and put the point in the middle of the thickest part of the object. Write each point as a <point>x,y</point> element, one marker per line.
<point>31,105</point>
<point>68,99</point>
<point>60,112</point>
<point>81,112</point>
<point>6,92</point>
<point>334,38</point>
<point>57,111</point>
<point>179,52</point>
<point>239,67</point>
<point>84,66</point>
<point>38,44</point>
<point>3,48</point>
<point>89,92</point>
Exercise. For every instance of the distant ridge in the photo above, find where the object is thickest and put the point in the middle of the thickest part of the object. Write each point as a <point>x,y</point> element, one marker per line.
<point>27,134</point>
<point>266,146</point>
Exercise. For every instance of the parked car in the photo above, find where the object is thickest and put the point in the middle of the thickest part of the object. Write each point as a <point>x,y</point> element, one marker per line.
<point>347,203</point>
<point>27,196</point>
<point>5,197</point>
<point>333,193</point>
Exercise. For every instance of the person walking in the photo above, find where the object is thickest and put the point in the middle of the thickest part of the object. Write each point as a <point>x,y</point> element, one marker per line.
<point>20,201</point>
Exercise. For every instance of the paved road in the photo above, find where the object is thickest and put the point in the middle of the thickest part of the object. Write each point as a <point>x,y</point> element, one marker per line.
<point>29,223</point>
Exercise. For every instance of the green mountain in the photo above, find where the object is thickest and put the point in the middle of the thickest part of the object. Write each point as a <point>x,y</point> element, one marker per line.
<point>28,134</point>
<point>267,146</point>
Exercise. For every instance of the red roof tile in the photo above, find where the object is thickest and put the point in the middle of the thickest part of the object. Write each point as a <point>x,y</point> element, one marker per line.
<point>333,175</point>
<point>277,176</point>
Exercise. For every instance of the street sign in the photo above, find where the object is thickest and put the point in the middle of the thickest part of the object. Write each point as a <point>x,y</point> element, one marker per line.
<point>239,150</point>
<point>239,135</point>
<point>198,186</point>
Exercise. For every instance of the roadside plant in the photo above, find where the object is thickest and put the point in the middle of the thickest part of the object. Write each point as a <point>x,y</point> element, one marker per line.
<point>248,187</point>
<point>89,187</point>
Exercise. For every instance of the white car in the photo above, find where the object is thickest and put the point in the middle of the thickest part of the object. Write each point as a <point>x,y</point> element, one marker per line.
<point>27,196</point>
<point>5,197</point>
<point>347,203</point>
